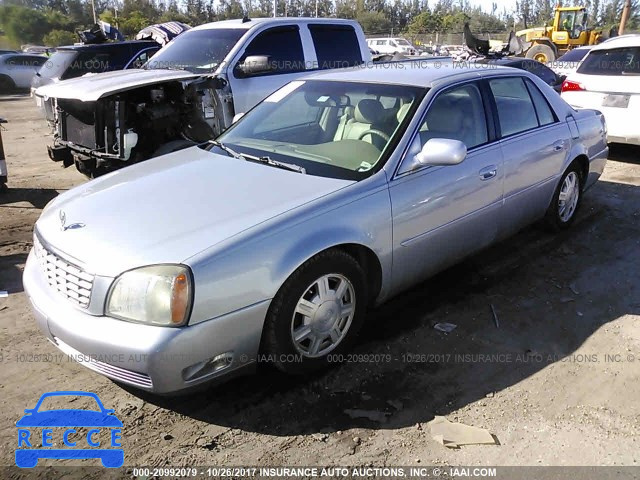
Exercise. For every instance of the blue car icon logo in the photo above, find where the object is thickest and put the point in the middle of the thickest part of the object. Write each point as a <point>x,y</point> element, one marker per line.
<point>40,428</point>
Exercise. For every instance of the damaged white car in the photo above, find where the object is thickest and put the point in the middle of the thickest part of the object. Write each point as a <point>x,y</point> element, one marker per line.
<point>190,90</point>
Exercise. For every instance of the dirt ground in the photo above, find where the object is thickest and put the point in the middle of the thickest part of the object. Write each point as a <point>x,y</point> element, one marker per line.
<point>557,382</point>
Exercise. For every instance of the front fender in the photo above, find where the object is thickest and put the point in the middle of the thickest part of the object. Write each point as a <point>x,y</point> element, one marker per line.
<point>252,269</point>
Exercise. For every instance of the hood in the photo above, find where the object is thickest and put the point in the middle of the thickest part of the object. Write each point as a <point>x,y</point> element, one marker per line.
<point>90,88</point>
<point>167,209</point>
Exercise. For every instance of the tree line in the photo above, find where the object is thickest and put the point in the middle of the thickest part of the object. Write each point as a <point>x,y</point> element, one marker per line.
<point>54,22</point>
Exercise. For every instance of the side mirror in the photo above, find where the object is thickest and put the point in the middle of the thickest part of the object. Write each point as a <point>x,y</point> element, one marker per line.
<point>254,64</point>
<point>237,117</point>
<point>442,151</point>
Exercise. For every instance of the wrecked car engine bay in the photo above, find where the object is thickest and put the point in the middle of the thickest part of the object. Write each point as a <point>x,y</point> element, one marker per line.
<point>130,126</point>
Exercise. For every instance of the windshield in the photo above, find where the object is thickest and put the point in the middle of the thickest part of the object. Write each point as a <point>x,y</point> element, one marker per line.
<point>199,51</point>
<point>58,64</point>
<point>614,61</point>
<point>333,129</point>
<point>402,42</point>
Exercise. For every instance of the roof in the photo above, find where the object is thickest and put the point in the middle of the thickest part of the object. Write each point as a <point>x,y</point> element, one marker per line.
<point>238,23</point>
<point>415,72</point>
<point>631,40</point>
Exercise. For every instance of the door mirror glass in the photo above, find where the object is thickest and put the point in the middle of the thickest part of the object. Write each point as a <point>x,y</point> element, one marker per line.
<point>441,151</point>
<point>255,64</point>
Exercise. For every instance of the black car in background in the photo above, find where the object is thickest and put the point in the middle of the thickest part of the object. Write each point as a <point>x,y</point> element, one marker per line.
<point>77,60</point>
<point>547,75</point>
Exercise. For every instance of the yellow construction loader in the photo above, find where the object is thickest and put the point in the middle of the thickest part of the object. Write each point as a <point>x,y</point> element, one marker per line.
<point>569,30</point>
<point>545,44</point>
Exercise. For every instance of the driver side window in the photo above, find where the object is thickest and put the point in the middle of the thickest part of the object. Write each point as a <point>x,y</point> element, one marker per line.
<point>457,114</point>
<point>282,46</point>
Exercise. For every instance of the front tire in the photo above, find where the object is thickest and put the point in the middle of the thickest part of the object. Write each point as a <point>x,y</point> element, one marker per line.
<point>316,313</point>
<point>566,200</point>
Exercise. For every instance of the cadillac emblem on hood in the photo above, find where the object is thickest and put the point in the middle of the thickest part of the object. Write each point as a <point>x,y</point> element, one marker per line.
<point>63,222</point>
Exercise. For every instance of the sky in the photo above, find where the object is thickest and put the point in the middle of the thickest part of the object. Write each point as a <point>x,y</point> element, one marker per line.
<point>486,4</point>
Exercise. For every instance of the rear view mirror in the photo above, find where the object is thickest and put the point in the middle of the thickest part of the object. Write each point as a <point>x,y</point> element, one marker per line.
<point>254,64</point>
<point>442,151</point>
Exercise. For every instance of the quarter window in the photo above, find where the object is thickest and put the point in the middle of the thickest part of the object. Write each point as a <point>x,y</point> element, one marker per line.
<point>515,107</point>
<point>544,112</point>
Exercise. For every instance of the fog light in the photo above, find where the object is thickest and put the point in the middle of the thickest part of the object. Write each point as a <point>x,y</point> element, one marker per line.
<point>207,367</point>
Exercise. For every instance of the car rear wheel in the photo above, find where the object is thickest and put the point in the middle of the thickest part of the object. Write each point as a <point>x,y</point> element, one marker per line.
<point>317,313</point>
<point>566,200</point>
<point>6,84</point>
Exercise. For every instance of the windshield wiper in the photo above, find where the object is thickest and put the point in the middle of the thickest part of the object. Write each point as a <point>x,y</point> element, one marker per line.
<point>253,158</point>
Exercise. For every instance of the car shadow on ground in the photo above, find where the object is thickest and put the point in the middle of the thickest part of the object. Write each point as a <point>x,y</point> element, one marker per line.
<point>13,95</point>
<point>624,153</point>
<point>11,272</point>
<point>549,292</point>
<point>37,197</point>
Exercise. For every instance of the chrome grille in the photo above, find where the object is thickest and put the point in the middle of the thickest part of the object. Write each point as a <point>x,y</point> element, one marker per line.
<point>117,373</point>
<point>68,279</point>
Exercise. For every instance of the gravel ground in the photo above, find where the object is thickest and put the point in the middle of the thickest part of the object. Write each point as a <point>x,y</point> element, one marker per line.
<point>557,382</point>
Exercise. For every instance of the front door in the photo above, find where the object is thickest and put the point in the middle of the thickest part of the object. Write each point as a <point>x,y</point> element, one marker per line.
<point>443,213</point>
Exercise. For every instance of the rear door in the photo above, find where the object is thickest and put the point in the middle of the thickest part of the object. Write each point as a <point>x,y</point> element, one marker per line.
<point>534,143</point>
<point>283,46</point>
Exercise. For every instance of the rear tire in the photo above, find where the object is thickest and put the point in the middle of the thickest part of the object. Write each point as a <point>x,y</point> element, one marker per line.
<point>566,200</point>
<point>331,290</point>
<point>6,84</point>
<point>542,53</point>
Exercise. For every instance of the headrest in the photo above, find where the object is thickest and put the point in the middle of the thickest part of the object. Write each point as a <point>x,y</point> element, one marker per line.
<point>369,111</point>
<point>443,118</point>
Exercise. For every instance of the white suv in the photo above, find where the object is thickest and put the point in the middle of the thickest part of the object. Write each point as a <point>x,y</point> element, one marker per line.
<point>608,79</point>
<point>391,45</point>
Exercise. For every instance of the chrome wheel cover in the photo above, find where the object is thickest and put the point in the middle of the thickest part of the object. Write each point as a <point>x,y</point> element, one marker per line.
<point>568,198</point>
<point>323,315</point>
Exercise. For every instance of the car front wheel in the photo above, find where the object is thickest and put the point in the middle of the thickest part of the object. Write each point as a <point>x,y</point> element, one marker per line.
<point>317,313</point>
<point>566,200</point>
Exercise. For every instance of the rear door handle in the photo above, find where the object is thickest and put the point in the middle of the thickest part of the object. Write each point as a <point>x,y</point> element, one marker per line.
<point>488,172</point>
<point>558,146</point>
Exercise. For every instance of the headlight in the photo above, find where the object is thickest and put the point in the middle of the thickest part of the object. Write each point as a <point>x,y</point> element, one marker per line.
<point>157,295</point>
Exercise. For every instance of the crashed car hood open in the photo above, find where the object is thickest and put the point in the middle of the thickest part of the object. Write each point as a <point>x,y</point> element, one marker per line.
<point>167,209</point>
<point>90,88</point>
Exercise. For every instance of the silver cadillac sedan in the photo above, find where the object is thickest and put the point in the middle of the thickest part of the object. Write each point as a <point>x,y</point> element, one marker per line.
<point>335,193</point>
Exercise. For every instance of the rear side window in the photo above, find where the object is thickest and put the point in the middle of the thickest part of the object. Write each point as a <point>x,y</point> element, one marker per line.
<point>336,46</point>
<point>543,110</point>
<point>614,61</point>
<point>515,107</point>
<point>26,61</point>
<point>574,55</point>
<point>283,47</point>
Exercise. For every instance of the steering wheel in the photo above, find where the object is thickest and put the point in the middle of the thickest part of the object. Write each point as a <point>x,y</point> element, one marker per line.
<point>373,131</point>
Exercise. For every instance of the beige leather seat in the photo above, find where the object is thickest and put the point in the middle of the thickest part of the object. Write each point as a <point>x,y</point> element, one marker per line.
<point>443,121</point>
<point>368,114</point>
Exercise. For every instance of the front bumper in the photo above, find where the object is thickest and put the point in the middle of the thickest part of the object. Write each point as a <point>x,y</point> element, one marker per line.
<point>151,358</point>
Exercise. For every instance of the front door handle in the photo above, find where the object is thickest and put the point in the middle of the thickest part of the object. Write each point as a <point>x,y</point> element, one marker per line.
<point>559,145</point>
<point>488,172</point>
